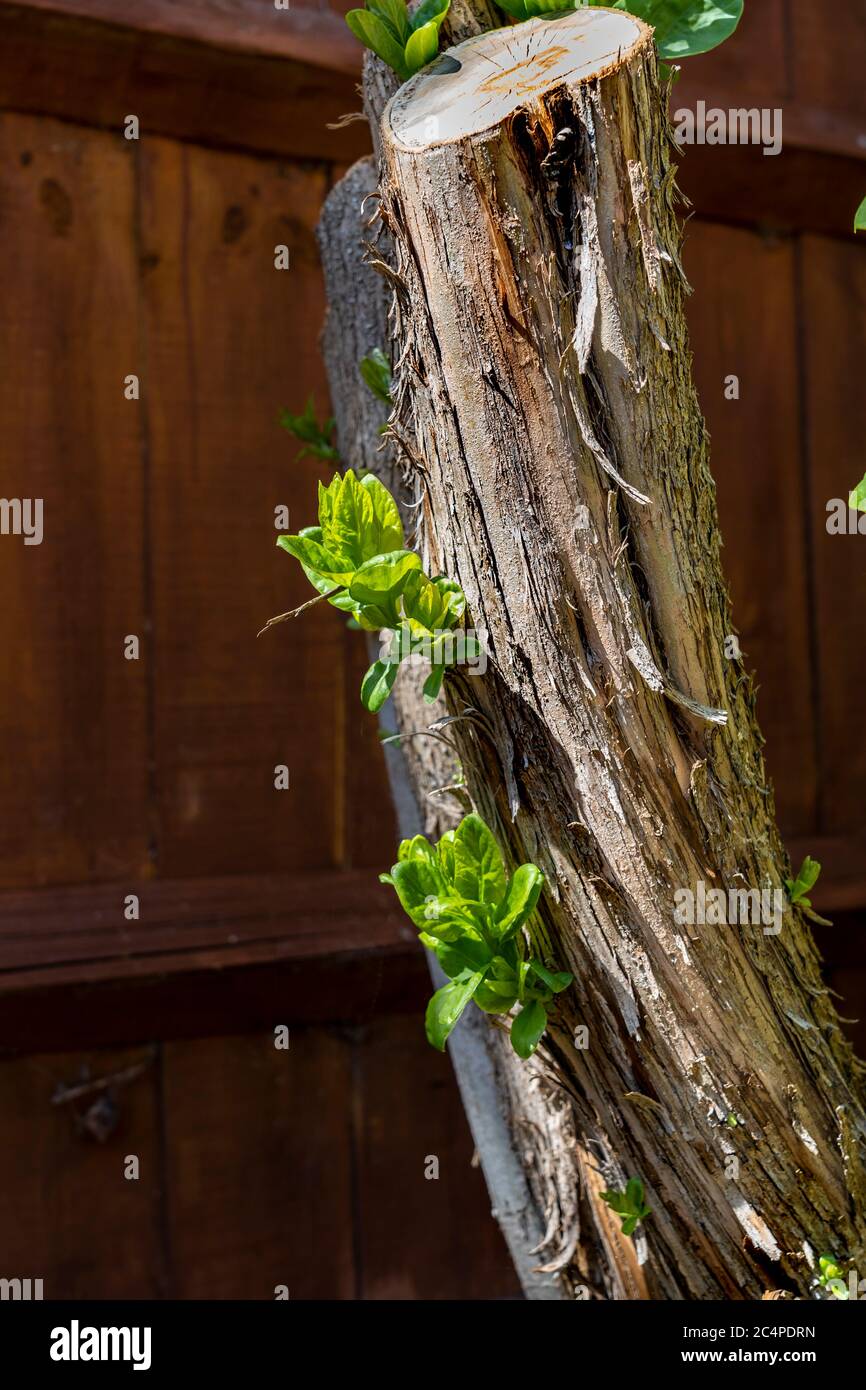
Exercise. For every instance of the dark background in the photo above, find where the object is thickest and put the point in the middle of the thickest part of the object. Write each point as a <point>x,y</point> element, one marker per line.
<point>261,1167</point>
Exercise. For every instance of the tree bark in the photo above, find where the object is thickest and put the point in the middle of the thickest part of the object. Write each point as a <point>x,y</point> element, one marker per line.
<point>547,428</point>
<point>500,1107</point>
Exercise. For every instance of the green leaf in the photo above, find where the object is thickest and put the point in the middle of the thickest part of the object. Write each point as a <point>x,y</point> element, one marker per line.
<point>628,1204</point>
<point>432,606</point>
<point>829,1267</point>
<point>519,900</point>
<point>516,8</point>
<point>387,530</point>
<point>416,882</point>
<point>445,856</point>
<point>348,522</point>
<point>378,684</point>
<point>479,873</point>
<point>427,10</point>
<point>393,13</point>
<point>376,34</point>
<point>860,218</point>
<point>465,953</point>
<point>857,498</point>
<point>494,1001</point>
<point>380,581</point>
<point>375,370</point>
<point>433,683</point>
<point>423,46</point>
<point>686,27</point>
<point>806,879</point>
<point>556,981</point>
<point>447,1005</point>
<point>418,848</point>
<point>432,908</point>
<point>313,556</point>
<point>617,1201</point>
<point>527,1028</point>
<point>316,438</point>
<point>634,1194</point>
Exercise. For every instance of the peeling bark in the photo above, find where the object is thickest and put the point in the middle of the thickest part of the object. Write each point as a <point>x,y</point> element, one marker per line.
<point>547,424</point>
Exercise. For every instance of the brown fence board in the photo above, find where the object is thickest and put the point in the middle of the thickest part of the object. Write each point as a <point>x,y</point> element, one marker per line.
<point>67,1213</point>
<point>742,318</point>
<point>72,709</point>
<point>410,1112</point>
<point>230,340</point>
<point>259,1166</point>
<point>827,59</point>
<point>834,352</point>
<point>96,73</point>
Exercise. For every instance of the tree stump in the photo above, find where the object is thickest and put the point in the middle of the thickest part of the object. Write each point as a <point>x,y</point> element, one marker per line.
<point>546,416</point>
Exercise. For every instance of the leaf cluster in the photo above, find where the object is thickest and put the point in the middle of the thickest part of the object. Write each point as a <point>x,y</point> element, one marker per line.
<point>315,438</point>
<point>629,1205</point>
<point>830,1277</point>
<point>405,42</point>
<point>356,559</point>
<point>375,372</point>
<point>471,915</point>
<point>806,879</point>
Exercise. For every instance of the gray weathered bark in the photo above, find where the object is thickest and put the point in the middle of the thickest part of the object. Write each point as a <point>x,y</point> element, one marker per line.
<point>550,443</point>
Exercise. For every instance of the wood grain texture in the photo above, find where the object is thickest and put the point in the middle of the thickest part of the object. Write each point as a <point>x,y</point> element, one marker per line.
<point>833,347</point>
<point>259,1173</point>
<point>220,365</point>
<point>96,74</point>
<point>743,322</point>
<point>72,793</point>
<point>827,69</point>
<point>307,30</point>
<point>420,1237</point>
<point>68,1214</point>
<point>752,62</point>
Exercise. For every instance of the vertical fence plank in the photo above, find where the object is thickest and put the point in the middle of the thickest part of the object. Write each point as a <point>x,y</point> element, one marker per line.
<point>743,323</point>
<point>834,347</point>
<point>231,339</point>
<point>421,1237</point>
<point>68,1213</point>
<point>72,710</point>
<point>259,1166</point>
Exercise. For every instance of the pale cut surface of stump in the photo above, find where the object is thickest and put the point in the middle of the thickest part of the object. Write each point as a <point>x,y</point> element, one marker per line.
<point>472,87</point>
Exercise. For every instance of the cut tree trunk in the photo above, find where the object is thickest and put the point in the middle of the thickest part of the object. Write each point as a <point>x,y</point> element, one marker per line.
<point>528,1203</point>
<point>546,425</point>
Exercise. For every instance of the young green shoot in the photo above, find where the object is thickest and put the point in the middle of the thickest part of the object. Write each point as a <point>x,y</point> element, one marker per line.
<point>405,42</point>
<point>315,438</point>
<point>357,560</point>
<point>472,916</point>
<point>628,1204</point>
